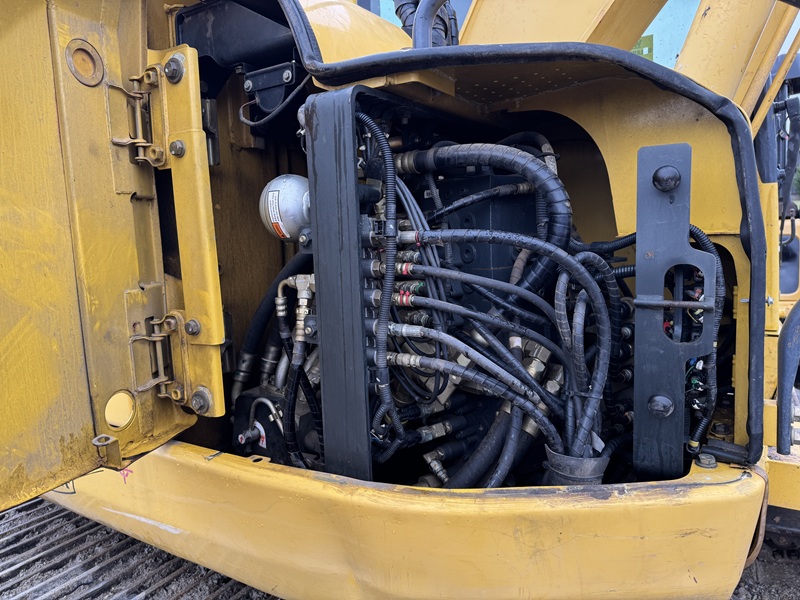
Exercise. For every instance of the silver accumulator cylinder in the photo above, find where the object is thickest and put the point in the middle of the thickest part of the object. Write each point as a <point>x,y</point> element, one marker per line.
<point>285,206</point>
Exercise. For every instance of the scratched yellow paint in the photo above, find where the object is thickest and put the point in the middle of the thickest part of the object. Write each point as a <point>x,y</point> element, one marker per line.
<point>46,427</point>
<point>313,536</point>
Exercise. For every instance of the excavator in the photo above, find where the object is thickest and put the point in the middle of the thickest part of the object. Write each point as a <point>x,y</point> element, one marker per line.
<point>424,300</point>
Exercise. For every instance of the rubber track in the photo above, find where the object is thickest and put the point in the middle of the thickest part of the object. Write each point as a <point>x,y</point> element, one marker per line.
<point>48,552</point>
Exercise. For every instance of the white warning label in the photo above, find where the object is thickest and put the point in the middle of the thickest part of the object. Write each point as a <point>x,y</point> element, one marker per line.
<point>273,200</point>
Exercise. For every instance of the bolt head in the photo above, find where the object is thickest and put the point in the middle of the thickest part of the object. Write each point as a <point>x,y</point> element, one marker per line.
<point>660,406</point>
<point>666,178</point>
<point>796,412</point>
<point>248,86</point>
<point>173,69</point>
<point>177,148</point>
<point>287,76</point>
<point>303,239</point>
<point>170,323</point>
<point>192,327</point>
<point>309,330</point>
<point>795,436</point>
<point>705,460</point>
<point>201,401</point>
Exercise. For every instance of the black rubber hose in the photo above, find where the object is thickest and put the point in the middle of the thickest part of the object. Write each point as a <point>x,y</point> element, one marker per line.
<point>509,452</point>
<point>535,171</point>
<point>603,247</point>
<point>491,386</point>
<point>578,357</point>
<point>484,455</point>
<point>425,21</point>
<point>496,321</point>
<point>624,271</point>
<point>788,361</point>
<point>501,304</point>
<point>289,412</point>
<point>389,254</point>
<point>711,360</point>
<point>582,277</point>
<point>248,353</point>
<point>470,279</point>
<point>590,259</point>
<point>616,443</point>
<point>500,191</point>
<point>517,369</point>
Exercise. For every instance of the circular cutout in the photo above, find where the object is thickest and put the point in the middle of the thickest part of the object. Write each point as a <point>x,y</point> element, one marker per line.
<point>84,62</point>
<point>120,410</point>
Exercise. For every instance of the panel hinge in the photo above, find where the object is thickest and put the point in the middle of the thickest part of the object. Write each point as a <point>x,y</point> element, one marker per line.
<point>148,148</point>
<point>162,371</point>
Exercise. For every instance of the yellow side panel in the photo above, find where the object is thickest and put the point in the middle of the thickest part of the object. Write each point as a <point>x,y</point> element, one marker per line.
<point>344,30</point>
<point>47,428</point>
<point>314,536</point>
<point>617,23</point>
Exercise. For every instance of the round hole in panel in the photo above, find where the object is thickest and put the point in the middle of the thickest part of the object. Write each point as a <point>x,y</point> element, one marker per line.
<point>120,410</point>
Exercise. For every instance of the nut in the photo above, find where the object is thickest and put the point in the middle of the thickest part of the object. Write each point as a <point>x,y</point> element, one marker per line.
<point>177,148</point>
<point>287,76</point>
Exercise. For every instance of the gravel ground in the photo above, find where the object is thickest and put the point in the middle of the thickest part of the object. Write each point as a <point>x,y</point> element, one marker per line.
<point>48,552</point>
<point>771,577</point>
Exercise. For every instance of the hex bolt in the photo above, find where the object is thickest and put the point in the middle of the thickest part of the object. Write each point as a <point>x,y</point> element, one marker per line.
<point>248,86</point>
<point>309,330</point>
<point>201,401</point>
<point>192,327</point>
<point>666,178</point>
<point>304,239</point>
<point>173,69</point>
<point>177,148</point>
<point>705,460</point>
<point>287,76</point>
<point>170,323</point>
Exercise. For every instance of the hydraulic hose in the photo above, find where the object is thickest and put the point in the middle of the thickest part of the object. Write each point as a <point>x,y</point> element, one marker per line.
<point>501,305</point>
<point>248,353</point>
<point>603,247</point>
<point>616,443</point>
<point>471,279</point>
<point>389,254</point>
<point>289,413</point>
<point>517,369</point>
<point>490,385</point>
<point>500,191</point>
<point>578,357</point>
<point>496,321</point>
<point>428,30</point>
<point>533,138</point>
<point>711,360</point>
<point>516,161</point>
<point>582,277</point>
<point>590,259</point>
<point>484,455</point>
<point>509,451</point>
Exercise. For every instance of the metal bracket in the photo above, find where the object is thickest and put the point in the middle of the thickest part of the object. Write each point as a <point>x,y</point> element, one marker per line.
<point>269,85</point>
<point>108,447</point>
<point>662,243</point>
